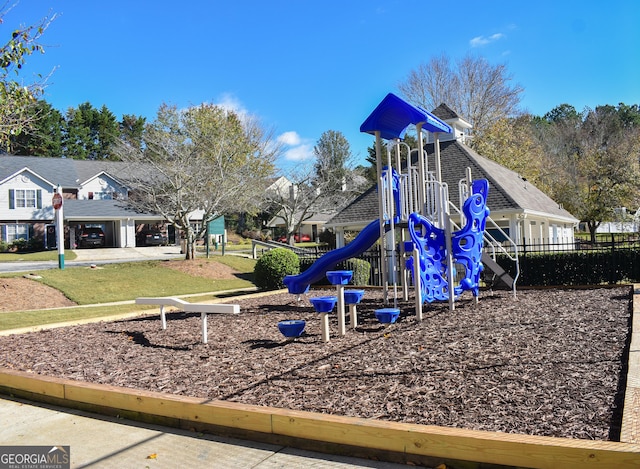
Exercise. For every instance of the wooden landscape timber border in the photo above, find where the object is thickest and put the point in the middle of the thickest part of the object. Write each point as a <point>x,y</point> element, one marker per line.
<point>630,431</point>
<point>383,440</point>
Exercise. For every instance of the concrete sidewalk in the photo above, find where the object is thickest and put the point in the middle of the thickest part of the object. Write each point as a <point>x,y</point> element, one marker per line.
<point>101,442</point>
<point>137,253</point>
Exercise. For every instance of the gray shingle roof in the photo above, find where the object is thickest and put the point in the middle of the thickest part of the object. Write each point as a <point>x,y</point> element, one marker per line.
<point>102,209</point>
<point>68,173</point>
<point>86,169</point>
<point>507,190</point>
<point>444,112</point>
<point>56,170</point>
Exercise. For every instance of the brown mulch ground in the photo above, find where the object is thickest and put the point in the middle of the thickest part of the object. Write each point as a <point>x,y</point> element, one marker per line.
<point>21,294</point>
<point>549,363</point>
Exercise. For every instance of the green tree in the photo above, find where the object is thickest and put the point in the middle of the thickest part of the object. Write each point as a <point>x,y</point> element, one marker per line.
<point>44,135</point>
<point>595,160</point>
<point>90,133</point>
<point>205,159</point>
<point>332,152</point>
<point>132,129</point>
<point>16,98</point>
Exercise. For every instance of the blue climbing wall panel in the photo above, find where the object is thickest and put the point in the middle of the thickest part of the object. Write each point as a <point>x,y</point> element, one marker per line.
<point>466,247</point>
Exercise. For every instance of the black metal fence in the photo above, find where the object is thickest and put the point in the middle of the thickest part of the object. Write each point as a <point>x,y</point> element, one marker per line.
<point>614,258</point>
<point>603,242</point>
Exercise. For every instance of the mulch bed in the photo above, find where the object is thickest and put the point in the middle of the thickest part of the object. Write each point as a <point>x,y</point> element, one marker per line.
<point>551,362</point>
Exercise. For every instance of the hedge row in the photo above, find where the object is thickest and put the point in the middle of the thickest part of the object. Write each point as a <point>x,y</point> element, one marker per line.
<point>576,267</point>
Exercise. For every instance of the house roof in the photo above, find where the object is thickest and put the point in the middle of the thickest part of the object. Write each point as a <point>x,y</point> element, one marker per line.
<point>23,170</point>
<point>89,169</point>
<point>57,170</point>
<point>508,191</point>
<point>68,173</point>
<point>444,112</point>
<point>84,210</point>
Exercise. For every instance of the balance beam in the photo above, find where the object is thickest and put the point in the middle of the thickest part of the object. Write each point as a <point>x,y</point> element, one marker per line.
<point>202,308</point>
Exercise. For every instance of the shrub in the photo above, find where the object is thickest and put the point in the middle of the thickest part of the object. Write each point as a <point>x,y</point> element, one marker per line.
<point>361,271</point>
<point>20,244</point>
<point>329,238</point>
<point>272,267</point>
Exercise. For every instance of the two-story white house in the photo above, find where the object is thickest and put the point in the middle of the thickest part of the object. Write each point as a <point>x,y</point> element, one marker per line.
<point>93,196</point>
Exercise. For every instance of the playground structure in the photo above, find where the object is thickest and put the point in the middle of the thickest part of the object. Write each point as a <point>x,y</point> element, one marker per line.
<point>415,214</point>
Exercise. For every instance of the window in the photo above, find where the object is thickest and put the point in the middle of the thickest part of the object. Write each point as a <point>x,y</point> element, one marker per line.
<point>25,198</point>
<point>102,196</point>
<point>16,231</point>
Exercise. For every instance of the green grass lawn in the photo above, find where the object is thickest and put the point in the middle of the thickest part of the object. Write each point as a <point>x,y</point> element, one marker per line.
<point>121,282</point>
<point>117,282</point>
<point>35,256</point>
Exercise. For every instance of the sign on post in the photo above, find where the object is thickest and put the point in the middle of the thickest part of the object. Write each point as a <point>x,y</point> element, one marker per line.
<point>56,201</point>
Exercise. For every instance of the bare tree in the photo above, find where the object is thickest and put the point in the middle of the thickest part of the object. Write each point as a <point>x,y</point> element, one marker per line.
<point>479,92</point>
<point>204,160</point>
<point>296,201</point>
<point>324,187</point>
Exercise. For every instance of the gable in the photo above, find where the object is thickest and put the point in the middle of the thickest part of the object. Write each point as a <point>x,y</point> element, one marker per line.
<point>107,186</point>
<point>26,176</point>
<point>56,171</point>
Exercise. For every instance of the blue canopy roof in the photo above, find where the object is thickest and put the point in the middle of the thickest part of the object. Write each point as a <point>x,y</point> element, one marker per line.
<point>393,115</point>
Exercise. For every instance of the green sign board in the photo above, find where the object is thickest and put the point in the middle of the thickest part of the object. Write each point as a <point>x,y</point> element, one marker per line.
<point>216,226</point>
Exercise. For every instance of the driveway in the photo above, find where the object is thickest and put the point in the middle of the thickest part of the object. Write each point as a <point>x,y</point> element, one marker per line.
<point>137,253</point>
<point>85,257</point>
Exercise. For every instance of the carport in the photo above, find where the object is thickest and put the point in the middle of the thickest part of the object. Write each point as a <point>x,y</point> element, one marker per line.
<point>117,219</point>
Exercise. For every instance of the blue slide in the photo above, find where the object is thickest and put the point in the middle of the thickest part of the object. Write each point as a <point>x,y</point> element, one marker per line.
<point>298,284</point>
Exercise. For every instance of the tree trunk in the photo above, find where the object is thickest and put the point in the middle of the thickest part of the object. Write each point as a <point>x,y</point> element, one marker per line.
<point>592,232</point>
<point>190,243</point>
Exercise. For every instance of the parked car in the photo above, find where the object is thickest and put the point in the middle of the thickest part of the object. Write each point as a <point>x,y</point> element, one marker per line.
<point>151,238</point>
<point>305,238</point>
<point>91,238</point>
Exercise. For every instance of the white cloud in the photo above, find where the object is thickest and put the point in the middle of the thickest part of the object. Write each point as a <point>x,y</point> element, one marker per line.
<point>480,41</point>
<point>300,152</point>
<point>296,148</point>
<point>290,138</point>
<point>230,102</point>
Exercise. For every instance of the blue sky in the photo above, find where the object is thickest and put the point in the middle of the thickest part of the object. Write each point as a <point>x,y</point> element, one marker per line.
<point>307,67</point>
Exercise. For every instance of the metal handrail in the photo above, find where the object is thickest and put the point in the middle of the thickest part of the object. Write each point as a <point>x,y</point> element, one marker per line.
<point>493,243</point>
<point>273,245</point>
